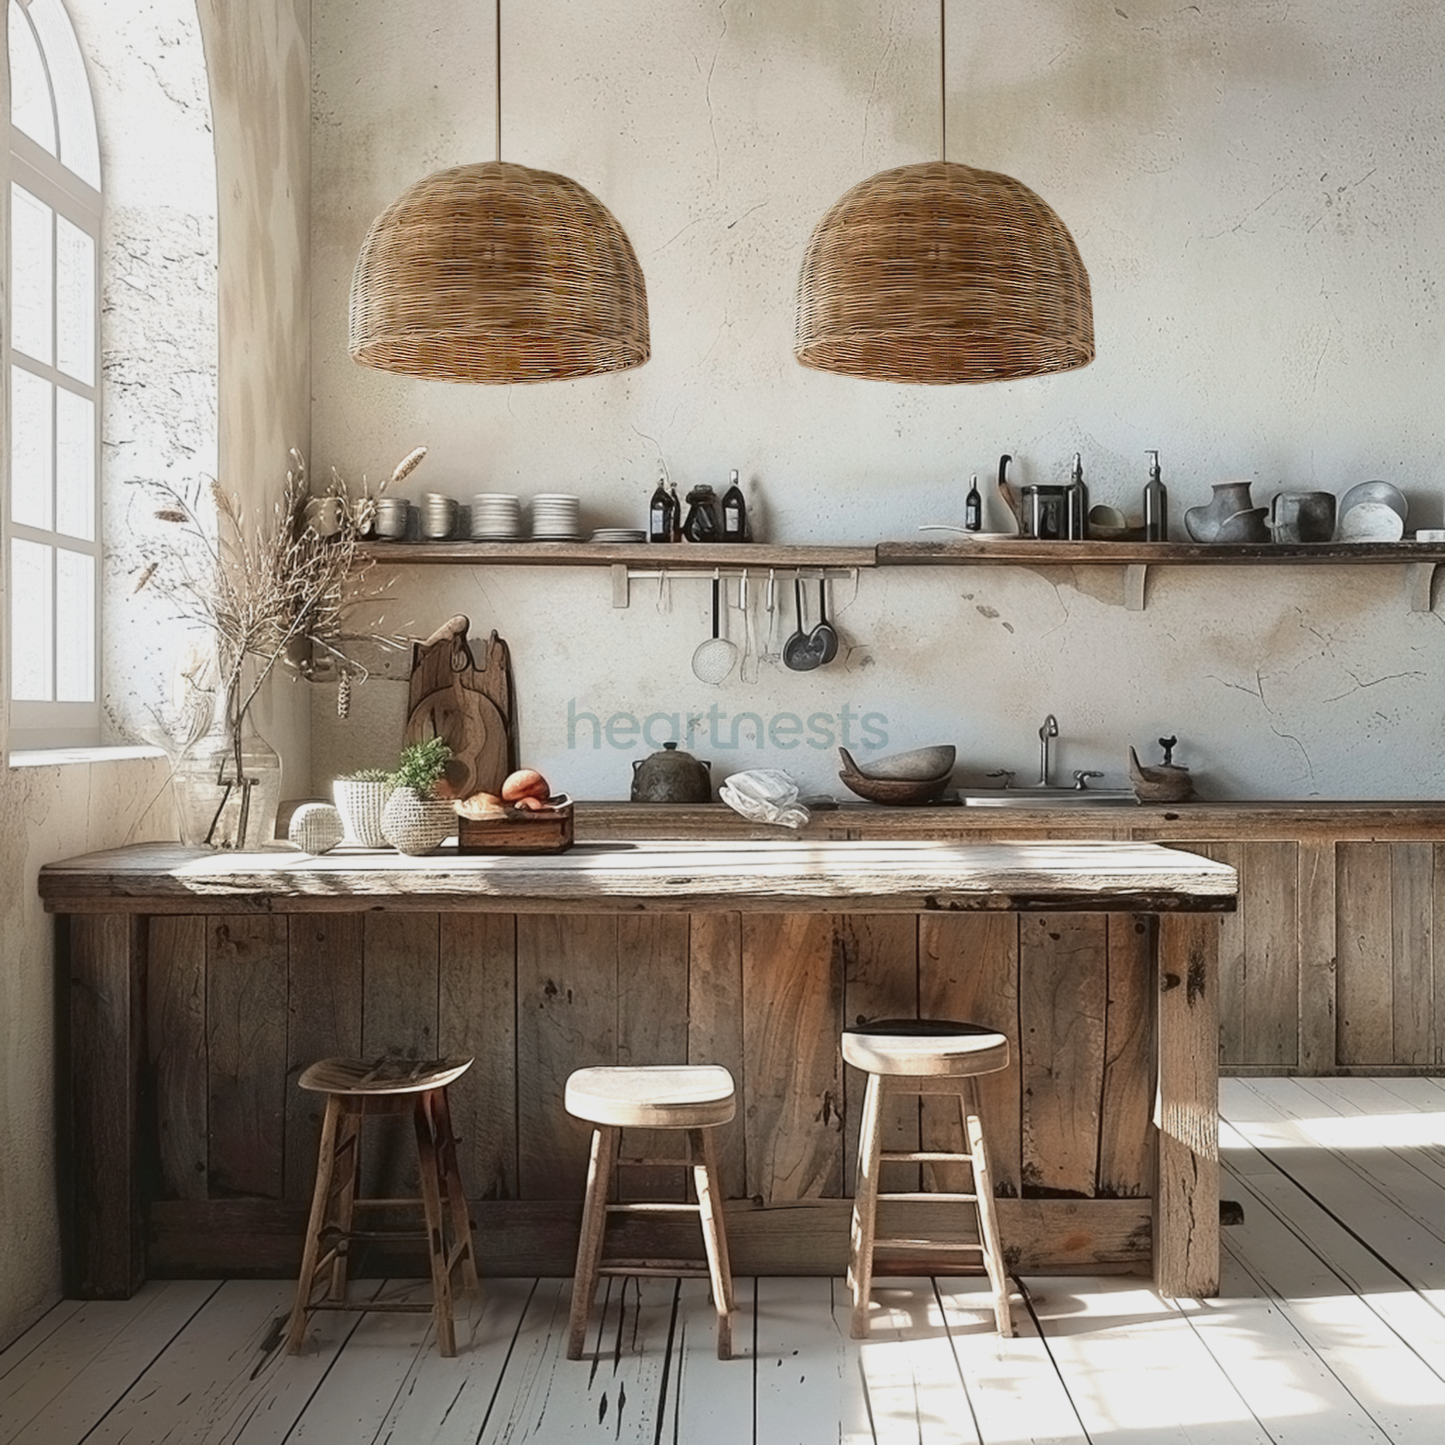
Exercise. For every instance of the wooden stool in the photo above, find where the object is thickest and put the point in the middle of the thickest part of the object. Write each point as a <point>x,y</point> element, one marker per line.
<point>356,1089</point>
<point>696,1098</point>
<point>922,1056</point>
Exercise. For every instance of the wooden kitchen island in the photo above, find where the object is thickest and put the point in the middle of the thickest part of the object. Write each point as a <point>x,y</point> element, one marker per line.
<point>198,985</point>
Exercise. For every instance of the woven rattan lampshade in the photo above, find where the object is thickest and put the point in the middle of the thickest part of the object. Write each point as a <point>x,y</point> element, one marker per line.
<point>498,273</point>
<point>941,273</point>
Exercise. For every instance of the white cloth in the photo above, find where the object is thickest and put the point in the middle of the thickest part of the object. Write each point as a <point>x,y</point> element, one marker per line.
<point>764,795</point>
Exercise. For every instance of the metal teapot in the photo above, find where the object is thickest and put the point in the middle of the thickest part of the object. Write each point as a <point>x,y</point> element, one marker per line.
<point>671,777</point>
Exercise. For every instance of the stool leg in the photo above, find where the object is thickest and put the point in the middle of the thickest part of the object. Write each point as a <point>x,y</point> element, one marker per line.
<point>714,1234</point>
<point>346,1171</point>
<point>441,1279</point>
<point>865,1206</point>
<point>987,1214</point>
<point>320,1198</point>
<point>605,1142</point>
<point>463,1246</point>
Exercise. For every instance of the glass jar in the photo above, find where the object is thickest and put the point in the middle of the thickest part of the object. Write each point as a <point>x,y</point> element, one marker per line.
<point>217,804</point>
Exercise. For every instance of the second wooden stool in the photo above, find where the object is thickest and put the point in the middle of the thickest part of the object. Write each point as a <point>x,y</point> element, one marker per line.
<point>922,1056</point>
<point>356,1090</point>
<point>695,1098</point>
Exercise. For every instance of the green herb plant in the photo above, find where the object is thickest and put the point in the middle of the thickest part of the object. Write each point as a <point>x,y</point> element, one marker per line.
<point>422,764</point>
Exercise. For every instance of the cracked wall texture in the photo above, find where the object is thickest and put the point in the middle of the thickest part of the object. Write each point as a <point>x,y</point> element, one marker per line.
<point>1256,190</point>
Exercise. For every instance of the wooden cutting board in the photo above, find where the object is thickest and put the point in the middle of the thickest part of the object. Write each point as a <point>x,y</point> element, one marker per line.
<point>452,697</point>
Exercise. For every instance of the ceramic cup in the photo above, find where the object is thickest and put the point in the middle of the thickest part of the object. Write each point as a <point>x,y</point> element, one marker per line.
<point>1303,517</point>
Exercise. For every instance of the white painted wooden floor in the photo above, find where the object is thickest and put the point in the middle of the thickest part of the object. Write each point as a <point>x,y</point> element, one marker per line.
<point>1330,1328</point>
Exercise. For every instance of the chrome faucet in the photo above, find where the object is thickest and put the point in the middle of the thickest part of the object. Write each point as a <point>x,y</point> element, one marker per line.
<point>1047,733</point>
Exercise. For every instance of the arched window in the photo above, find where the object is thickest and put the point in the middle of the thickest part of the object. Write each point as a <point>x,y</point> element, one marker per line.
<point>52,367</point>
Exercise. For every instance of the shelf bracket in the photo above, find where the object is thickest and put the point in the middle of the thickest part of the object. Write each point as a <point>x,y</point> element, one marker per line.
<point>1136,577</point>
<point>1420,585</point>
<point>621,584</point>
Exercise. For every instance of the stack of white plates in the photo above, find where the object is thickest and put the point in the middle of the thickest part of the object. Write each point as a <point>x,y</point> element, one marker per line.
<point>496,517</point>
<point>555,518</point>
<point>438,516</point>
<point>619,534</point>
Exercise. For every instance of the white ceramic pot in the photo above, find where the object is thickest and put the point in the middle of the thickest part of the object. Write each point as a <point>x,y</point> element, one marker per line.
<point>413,824</point>
<point>360,803</point>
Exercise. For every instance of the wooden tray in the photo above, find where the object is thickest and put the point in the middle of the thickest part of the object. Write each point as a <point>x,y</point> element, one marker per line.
<point>520,830</point>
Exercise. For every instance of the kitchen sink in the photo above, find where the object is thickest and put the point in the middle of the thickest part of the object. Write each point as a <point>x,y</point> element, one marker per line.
<point>1045,797</point>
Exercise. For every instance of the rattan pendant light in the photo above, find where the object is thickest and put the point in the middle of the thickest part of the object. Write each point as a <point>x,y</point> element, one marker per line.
<point>498,273</point>
<point>939,273</point>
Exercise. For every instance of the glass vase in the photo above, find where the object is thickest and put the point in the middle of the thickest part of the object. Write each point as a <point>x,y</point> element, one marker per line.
<point>227,784</point>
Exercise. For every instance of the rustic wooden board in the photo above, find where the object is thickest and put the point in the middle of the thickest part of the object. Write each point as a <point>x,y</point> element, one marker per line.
<point>325,1010</point>
<point>103,1224</point>
<point>968,969</point>
<point>567,972</point>
<point>477,1016</point>
<point>1270,905</point>
<point>1063,987</point>
<point>878,954</point>
<point>715,1026</point>
<point>176,1034</point>
<point>1365,948</point>
<point>1317,955</point>
<point>246,1009</point>
<point>1412,892</point>
<point>1126,1131</point>
<point>793,1007</point>
<point>1233,955</point>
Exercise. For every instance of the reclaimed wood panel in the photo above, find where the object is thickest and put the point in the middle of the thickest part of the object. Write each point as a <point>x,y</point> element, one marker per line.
<point>100,1179</point>
<point>715,1026</point>
<point>1412,890</point>
<point>176,1035</point>
<point>246,982</point>
<point>1365,947</point>
<point>477,1016</point>
<point>968,969</point>
<point>1437,917</point>
<point>567,991</point>
<point>1270,914</point>
<point>1063,987</point>
<point>1317,956</point>
<point>1126,1128</point>
<point>878,957</point>
<point>793,1008</point>
<point>1234,975</point>
<point>324,1012</point>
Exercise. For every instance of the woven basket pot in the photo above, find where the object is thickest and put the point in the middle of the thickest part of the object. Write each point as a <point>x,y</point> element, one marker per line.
<point>498,273</point>
<point>360,803</point>
<point>942,273</point>
<point>414,825</point>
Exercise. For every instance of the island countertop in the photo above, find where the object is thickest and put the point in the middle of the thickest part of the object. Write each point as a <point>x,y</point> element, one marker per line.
<point>891,875</point>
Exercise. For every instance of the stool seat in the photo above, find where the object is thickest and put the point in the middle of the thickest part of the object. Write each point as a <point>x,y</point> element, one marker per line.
<point>696,1096</point>
<point>381,1076</point>
<point>925,1047</point>
<point>691,1098</point>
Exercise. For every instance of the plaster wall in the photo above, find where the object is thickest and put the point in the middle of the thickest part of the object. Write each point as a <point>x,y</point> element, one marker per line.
<point>1257,191</point>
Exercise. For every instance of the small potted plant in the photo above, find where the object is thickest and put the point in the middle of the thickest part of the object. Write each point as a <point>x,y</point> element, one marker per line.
<point>414,819</point>
<point>360,796</point>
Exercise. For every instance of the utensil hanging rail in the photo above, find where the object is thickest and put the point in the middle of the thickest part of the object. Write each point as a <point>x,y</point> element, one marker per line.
<point>623,576</point>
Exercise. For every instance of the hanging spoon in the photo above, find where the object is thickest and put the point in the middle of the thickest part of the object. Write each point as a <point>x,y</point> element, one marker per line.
<point>824,636</point>
<point>800,652</point>
<point>748,666</point>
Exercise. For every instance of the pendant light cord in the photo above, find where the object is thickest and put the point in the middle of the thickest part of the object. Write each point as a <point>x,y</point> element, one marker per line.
<point>497,33</point>
<point>942,80</point>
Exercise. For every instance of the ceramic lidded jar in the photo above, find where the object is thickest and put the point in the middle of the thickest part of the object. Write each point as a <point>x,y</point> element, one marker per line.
<point>671,776</point>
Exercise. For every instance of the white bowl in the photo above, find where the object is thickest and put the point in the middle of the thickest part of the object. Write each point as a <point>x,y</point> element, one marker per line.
<point>1371,522</point>
<point>1391,496</point>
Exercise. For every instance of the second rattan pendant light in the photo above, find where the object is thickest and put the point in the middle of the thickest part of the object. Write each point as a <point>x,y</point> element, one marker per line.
<point>498,273</point>
<point>940,273</point>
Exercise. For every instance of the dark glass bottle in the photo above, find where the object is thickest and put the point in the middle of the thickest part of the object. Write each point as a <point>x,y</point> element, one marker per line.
<point>676,512</point>
<point>734,512</point>
<point>1077,503</point>
<point>972,508</point>
<point>1156,505</point>
<point>702,521</point>
<point>661,514</point>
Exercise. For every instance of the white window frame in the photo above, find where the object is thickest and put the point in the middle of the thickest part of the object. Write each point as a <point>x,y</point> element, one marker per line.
<point>52,723</point>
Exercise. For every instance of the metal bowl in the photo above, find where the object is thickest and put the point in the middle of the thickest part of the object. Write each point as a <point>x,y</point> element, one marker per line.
<point>916,765</point>
<point>1391,496</point>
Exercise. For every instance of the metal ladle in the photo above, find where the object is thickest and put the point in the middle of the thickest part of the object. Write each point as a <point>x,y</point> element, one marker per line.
<point>824,635</point>
<point>716,657</point>
<point>803,651</point>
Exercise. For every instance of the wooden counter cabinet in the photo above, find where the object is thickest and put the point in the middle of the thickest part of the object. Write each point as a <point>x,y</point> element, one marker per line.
<point>199,985</point>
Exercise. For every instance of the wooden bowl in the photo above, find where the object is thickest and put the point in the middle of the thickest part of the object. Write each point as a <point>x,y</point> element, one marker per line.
<point>899,792</point>
<point>916,766</point>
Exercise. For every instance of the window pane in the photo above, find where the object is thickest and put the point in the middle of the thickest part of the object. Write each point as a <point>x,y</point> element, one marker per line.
<point>74,626</point>
<point>31,451</point>
<point>32,281</point>
<point>74,465</point>
<point>29,90</point>
<point>79,148</point>
<point>30,621</point>
<point>74,301</point>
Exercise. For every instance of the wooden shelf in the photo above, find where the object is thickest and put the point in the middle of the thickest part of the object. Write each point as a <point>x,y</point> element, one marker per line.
<point>691,555</point>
